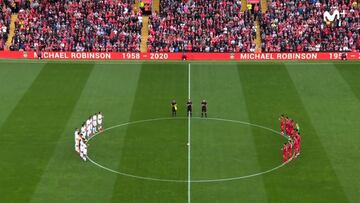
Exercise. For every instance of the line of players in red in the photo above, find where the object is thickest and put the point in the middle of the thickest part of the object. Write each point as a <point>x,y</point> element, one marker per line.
<point>290,129</point>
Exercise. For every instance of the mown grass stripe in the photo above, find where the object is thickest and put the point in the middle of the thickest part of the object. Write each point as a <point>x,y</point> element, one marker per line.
<point>33,128</point>
<point>222,149</point>
<point>334,110</point>
<point>155,149</point>
<point>269,92</point>
<point>101,93</point>
<point>14,85</point>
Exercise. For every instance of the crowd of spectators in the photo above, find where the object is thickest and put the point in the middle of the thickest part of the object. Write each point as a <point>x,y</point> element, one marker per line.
<point>78,25</point>
<point>180,26</point>
<point>299,26</point>
<point>5,19</point>
<point>201,26</point>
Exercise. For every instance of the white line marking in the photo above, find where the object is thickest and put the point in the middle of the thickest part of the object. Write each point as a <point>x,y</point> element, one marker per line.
<point>193,181</point>
<point>186,181</point>
<point>189,138</point>
<point>189,83</point>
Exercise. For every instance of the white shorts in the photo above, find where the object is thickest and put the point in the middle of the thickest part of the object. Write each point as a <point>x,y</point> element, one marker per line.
<point>84,151</point>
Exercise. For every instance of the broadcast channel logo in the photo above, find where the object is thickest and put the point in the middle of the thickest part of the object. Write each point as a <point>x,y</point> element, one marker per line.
<point>329,18</point>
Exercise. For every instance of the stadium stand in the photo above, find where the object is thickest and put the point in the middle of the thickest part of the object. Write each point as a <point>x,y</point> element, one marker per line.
<point>201,26</point>
<point>5,19</point>
<point>78,25</point>
<point>298,25</point>
<point>179,26</point>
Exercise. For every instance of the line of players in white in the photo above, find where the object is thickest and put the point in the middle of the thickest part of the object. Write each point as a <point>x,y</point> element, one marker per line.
<point>89,128</point>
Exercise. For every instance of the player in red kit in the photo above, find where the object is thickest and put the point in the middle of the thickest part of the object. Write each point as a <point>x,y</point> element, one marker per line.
<point>298,144</point>
<point>289,150</point>
<point>291,132</point>
<point>284,153</point>
<point>287,126</point>
<point>291,128</point>
<point>282,124</point>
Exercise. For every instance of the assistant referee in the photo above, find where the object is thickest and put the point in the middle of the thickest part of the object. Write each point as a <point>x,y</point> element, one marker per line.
<point>173,108</point>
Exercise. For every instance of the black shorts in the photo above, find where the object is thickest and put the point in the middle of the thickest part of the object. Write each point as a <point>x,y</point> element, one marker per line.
<point>203,109</point>
<point>173,109</point>
<point>189,109</point>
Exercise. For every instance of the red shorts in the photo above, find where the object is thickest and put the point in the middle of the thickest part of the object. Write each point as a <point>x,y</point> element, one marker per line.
<point>284,158</point>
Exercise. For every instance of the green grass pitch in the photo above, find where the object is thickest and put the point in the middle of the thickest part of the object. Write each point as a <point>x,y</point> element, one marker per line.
<point>42,102</point>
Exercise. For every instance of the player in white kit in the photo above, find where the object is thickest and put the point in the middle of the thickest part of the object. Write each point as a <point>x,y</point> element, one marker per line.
<point>100,121</point>
<point>88,128</point>
<point>77,143</point>
<point>94,124</point>
<point>83,149</point>
<point>83,130</point>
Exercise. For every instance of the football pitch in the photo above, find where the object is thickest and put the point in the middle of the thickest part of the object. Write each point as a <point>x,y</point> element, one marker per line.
<point>145,155</point>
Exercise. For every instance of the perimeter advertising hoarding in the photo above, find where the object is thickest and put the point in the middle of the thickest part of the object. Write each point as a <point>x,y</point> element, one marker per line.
<point>177,56</point>
<point>253,1</point>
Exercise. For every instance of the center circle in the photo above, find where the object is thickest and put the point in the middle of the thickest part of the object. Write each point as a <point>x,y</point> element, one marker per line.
<point>202,177</point>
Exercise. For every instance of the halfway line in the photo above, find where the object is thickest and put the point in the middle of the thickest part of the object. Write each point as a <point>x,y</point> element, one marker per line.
<point>189,140</point>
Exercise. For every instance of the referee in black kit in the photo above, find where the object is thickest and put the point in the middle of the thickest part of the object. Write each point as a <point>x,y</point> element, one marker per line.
<point>173,108</point>
<point>204,108</point>
<point>189,108</point>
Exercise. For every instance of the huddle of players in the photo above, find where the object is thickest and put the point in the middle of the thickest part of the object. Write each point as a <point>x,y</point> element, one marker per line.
<point>89,128</point>
<point>189,108</point>
<point>291,129</point>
